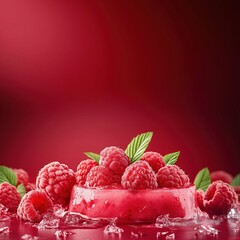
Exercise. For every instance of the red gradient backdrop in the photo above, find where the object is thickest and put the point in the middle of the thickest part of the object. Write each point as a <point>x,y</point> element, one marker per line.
<point>78,76</point>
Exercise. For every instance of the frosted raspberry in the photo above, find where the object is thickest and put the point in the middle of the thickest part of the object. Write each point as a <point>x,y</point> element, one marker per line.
<point>9,196</point>
<point>57,181</point>
<point>114,159</point>
<point>99,176</point>
<point>22,176</point>
<point>33,205</point>
<point>219,198</point>
<point>171,176</point>
<point>139,175</point>
<point>83,169</point>
<point>154,159</point>
<point>221,175</point>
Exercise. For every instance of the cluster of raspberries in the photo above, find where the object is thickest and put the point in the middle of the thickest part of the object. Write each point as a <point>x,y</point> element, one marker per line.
<point>220,197</point>
<point>55,181</point>
<point>115,169</point>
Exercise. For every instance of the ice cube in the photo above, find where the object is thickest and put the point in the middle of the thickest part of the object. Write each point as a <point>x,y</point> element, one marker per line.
<point>170,236</point>
<point>49,221</point>
<point>113,229</point>
<point>163,221</point>
<point>234,214</point>
<point>59,211</point>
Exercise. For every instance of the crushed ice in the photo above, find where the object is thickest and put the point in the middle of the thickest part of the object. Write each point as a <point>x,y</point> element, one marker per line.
<point>62,234</point>
<point>206,230</point>
<point>59,217</point>
<point>170,236</point>
<point>112,228</point>
<point>29,237</point>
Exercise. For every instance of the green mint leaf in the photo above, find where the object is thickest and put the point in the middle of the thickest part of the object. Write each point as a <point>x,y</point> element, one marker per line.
<point>21,189</point>
<point>93,156</point>
<point>138,145</point>
<point>8,175</point>
<point>202,179</point>
<point>236,180</point>
<point>171,158</point>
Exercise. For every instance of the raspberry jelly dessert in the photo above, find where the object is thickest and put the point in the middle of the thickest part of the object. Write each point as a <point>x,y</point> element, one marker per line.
<point>133,206</point>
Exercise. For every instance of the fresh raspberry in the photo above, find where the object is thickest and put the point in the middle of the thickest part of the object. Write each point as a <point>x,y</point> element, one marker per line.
<point>199,199</point>
<point>154,159</point>
<point>30,186</point>
<point>114,159</point>
<point>22,176</point>
<point>171,176</point>
<point>9,196</point>
<point>221,175</point>
<point>99,176</point>
<point>139,175</point>
<point>237,191</point>
<point>219,198</point>
<point>33,205</point>
<point>83,170</point>
<point>57,181</point>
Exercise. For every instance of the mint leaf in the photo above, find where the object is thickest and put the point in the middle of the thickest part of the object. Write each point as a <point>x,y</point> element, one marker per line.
<point>236,180</point>
<point>202,179</point>
<point>8,175</point>
<point>171,158</point>
<point>93,156</point>
<point>138,145</point>
<point>21,189</point>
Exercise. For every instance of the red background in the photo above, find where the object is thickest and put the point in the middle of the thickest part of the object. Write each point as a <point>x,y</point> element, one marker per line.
<point>78,76</point>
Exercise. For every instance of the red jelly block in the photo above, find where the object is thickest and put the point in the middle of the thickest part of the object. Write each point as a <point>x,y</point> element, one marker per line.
<point>134,206</point>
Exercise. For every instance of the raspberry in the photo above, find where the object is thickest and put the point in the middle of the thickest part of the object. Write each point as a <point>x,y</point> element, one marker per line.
<point>115,159</point>
<point>22,176</point>
<point>154,159</point>
<point>9,196</point>
<point>139,175</point>
<point>171,176</point>
<point>199,199</point>
<point>33,205</point>
<point>30,186</point>
<point>83,169</point>
<point>99,176</point>
<point>221,175</point>
<point>237,190</point>
<point>57,181</point>
<point>219,198</point>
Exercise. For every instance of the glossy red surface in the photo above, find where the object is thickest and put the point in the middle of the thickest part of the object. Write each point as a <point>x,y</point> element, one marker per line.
<point>18,228</point>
